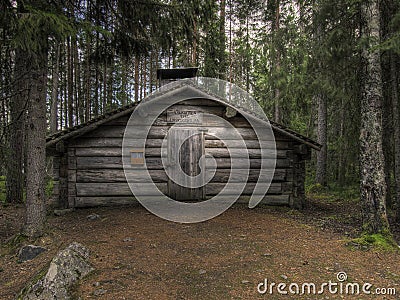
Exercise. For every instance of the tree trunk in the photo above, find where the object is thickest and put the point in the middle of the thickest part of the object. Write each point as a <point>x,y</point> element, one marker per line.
<point>222,62</point>
<point>70,83</point>
<point>277,92</point>
<point>124,81</point>
<point>18,104</point>
<point>322,108</point>
<point>136,87</point>
<point>322,139</point>
<point>88,102</point>
<point>54,92</point>
<point>36,143</point>
<point>78,84</point>
<point>396,125</point>
<point>372,186</point>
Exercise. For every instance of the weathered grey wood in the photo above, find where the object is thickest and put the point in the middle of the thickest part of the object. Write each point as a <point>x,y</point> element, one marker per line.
<point>213,143</point>
<point>56,190</point>
<point>161,131</point>
<point>137,131</point>
<point>103,151</point>
<point>97,201</point>
<point>118,175</point>
<point>56,167</point>
<point>156,152</point>
<point>298,199</point>
<point>238,163</point>
<point>268,200</point>
<point>115,142</point>
<point>89,128</point>
<point>122,189</point>
<point>241,153</point>
<point>115,189</point>
<point>72,175</point>
<point>155,163</point>
<point>114,151</point>
<point>192,148</point>
<point>221,175</point>
<point>250,144</point>
<point>96,142</point>
<point>275,188</point>
<point>82,202</point>
<point>63,181</point>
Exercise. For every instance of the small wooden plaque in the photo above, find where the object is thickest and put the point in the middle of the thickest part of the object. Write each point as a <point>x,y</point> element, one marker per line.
<point>137,157</point>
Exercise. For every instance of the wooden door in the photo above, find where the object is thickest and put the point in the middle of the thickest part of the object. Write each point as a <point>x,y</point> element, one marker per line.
<point>187,158</point>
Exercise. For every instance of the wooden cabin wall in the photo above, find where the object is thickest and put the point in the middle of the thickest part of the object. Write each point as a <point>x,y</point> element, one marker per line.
<point>91,168</point>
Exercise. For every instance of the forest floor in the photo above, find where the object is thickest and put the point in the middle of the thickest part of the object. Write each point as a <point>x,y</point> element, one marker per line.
<point>140,256</point>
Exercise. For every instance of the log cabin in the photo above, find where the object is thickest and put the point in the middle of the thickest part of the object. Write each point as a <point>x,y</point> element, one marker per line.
<point>88,166</point>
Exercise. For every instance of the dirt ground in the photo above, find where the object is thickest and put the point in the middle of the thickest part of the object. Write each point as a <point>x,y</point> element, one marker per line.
<point>140,256</point>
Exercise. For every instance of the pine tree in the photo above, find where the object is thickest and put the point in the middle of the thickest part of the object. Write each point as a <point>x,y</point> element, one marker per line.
<point>373,185</point>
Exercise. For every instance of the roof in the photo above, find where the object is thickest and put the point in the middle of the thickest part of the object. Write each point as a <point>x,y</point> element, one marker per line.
<point>94,123</point>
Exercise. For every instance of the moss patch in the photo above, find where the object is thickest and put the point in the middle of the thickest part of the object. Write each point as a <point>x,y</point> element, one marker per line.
<point>378,241</point>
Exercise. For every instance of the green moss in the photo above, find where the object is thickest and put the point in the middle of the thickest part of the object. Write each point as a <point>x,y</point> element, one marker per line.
<point>333,193</point>
<point>380,241</point>
<point>315,188</point>
<point>33,281</point>
<point>49,187</point>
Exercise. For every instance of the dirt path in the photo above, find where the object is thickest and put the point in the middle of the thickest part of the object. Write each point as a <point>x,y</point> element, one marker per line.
<point>139,256</point>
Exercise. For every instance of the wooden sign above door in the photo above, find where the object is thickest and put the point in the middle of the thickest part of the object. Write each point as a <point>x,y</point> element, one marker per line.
<point>175,115</point>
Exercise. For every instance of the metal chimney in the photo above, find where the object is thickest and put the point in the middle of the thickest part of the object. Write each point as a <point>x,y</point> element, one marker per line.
<point>165,76</point>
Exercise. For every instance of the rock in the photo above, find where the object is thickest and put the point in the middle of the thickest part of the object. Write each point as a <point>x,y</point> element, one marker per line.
<point>61,212</point>
<point>96,283</point>
<point>93,217</point>
<point>29,252</point>
<point>201,272</point>
<point>99,292</point>
<point>68,266</point>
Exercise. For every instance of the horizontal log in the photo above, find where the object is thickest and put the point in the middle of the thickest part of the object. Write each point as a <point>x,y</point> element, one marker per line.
<point>221,175</point>
<point>210,142</point>
<point>241,153</point>
<point>81,202</point>
<point>155,163</point>
<point>156,152</point>
<point>238,163</point>
<point>95,142</point>
<point>275,188</point>
<point>268,200</point>
<point>122,189</point>
<point>115,189</point>
<point>113,151</point>
<point>115,175</point>
<point>159,132</point>
<point>250,144</point>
